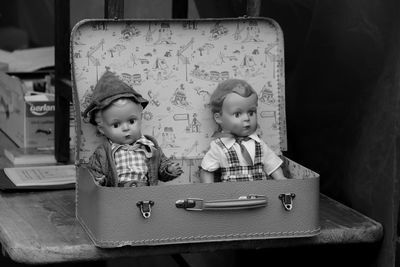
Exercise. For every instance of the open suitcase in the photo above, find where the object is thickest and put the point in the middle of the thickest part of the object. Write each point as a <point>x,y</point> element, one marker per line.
<point>176,64</point>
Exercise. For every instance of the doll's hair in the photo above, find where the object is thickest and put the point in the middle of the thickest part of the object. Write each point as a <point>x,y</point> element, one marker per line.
<point>240,87</point>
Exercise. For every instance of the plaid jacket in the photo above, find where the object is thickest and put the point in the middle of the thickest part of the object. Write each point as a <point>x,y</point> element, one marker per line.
<point>101,165</point>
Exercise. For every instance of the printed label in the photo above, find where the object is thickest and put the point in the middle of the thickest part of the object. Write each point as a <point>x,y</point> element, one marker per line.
<point>40,109</point>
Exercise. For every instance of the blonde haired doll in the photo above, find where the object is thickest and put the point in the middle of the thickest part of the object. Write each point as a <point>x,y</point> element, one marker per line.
<point>236,150</point>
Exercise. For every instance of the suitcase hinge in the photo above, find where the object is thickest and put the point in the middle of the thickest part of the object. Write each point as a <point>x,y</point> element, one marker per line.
<point>287,200</point>
<point>145,207</point>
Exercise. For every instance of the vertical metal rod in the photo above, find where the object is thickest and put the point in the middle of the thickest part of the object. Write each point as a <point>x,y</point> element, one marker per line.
<point>253,8</point>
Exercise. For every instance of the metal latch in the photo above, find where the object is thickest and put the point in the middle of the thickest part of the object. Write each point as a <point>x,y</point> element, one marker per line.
<point>145,207</point>
<point>287,200</point>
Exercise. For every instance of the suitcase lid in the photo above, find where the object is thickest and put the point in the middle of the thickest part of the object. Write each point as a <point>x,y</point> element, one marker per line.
<point>176,64</point>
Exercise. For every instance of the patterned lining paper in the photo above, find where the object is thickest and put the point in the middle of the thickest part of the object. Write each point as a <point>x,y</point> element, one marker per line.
<point>176,65</point>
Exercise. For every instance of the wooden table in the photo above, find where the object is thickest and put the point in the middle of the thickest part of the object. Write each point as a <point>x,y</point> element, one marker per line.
<point>40,227</point>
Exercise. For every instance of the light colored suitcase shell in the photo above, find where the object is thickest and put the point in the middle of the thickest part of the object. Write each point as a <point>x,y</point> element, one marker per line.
<point>176,64</point>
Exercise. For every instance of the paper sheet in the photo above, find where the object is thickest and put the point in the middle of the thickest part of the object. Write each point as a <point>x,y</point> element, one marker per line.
<point>42,175</point>
<point>28,60</point>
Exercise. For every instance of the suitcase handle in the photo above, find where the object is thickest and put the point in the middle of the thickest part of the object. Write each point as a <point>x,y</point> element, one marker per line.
<point>243,202</point>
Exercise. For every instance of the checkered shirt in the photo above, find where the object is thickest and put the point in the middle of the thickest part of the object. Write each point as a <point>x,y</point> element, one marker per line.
<point>131,162</point>
<point>234,172</point>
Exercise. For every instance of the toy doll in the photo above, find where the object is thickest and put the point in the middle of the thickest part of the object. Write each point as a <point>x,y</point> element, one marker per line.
<point>127,157</point>
<point>236,151</point>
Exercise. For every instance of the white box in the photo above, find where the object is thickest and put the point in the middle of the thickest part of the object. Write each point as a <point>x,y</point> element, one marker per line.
<point>27,120</point>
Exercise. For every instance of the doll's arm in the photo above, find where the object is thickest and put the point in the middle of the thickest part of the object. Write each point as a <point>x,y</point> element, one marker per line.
<point>168,170</point>
<point>211,163</point>
<point>95,168</point>
<point>278,174</point>
<point>174,169</point>
<point>206,176</point>
<point>272,163</point>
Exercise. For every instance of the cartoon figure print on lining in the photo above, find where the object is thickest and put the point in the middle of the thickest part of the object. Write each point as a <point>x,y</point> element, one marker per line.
<point>177,65</point>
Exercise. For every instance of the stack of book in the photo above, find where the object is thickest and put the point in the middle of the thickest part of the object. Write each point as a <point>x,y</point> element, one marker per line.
<point>30,156</point>
<point>38,177</point>
<point>35,169</point>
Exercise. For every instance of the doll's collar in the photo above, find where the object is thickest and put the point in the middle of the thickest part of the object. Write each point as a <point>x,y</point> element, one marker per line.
<point>229,139</point>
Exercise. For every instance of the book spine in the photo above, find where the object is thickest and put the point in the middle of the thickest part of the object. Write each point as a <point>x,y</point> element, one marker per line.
<point>29,159</point>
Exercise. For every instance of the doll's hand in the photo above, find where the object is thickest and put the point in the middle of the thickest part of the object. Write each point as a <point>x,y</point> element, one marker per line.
<point>175,169</point>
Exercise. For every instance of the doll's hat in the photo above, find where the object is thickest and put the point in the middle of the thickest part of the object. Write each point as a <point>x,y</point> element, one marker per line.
<point>109,88</point>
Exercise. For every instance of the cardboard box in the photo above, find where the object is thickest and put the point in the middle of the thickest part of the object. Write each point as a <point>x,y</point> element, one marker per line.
<point>27,119</point>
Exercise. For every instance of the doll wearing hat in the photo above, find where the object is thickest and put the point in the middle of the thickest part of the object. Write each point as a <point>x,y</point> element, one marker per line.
<point>127,157</point>
<point>236,151</point>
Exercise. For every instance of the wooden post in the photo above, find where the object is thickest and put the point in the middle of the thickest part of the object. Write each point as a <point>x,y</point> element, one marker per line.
<point>113,9</point>
<point>63,92</point>
<point>253,8</point>
<point>180,9</point>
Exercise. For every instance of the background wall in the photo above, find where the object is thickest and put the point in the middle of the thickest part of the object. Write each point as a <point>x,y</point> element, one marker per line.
<point>342,96</point>
<point>26,24</point>
<point>342,103</point>
<point>81,9</point>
